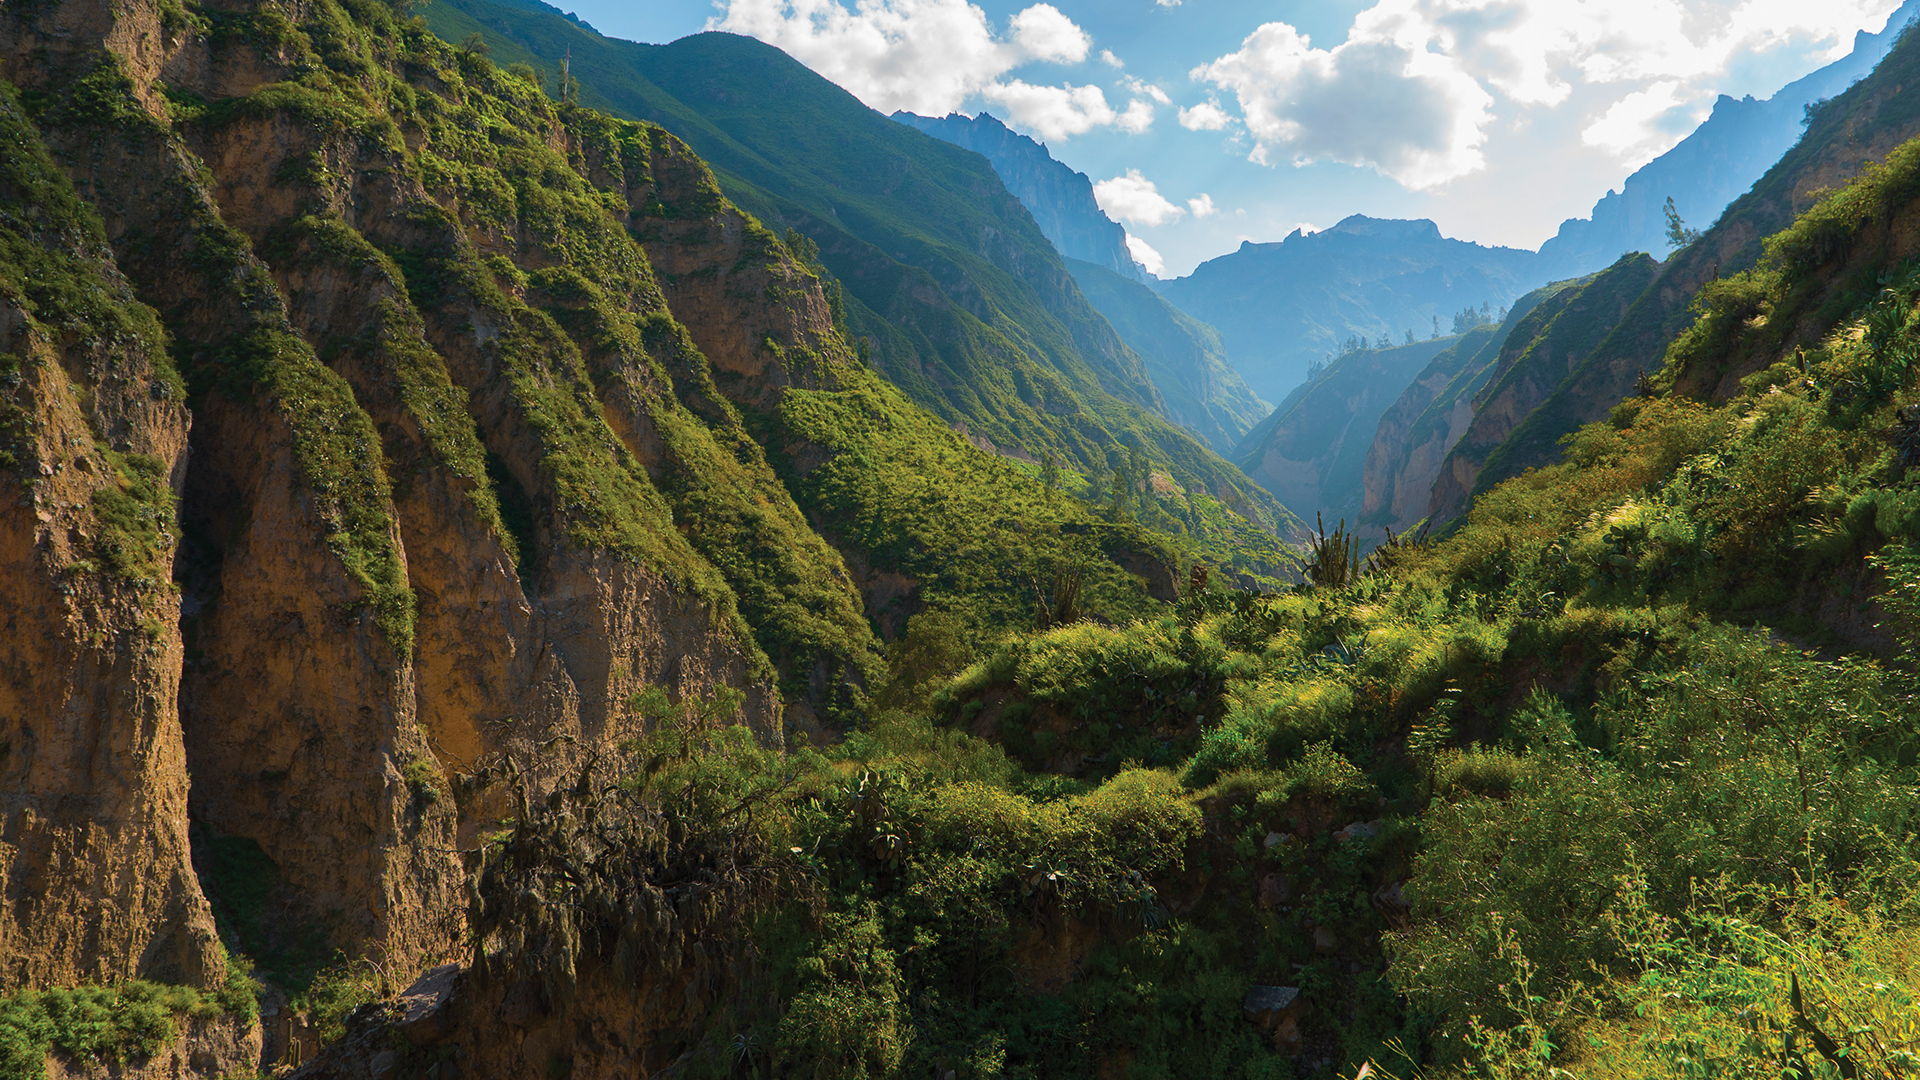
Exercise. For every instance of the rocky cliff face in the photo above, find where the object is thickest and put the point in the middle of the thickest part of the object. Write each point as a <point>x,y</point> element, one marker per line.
<point>1543,348</point>
<point>436,486</point>
<point>1417,430</point>
<point>93,780</point>
<point>1312,451</point>
<point>379,423</point>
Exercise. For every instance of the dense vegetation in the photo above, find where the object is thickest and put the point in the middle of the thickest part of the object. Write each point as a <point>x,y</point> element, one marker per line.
<point>1609,782</point>
<point>1618,779</point>
<point>110,1026</point>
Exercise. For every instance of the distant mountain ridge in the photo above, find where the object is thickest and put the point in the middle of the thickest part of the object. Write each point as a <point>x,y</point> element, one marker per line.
<point>1572,350</point>
<point>1282,307</point>
<point>1060,199</point>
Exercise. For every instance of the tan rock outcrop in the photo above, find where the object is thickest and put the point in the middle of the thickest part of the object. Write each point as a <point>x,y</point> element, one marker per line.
<point>94,867</point>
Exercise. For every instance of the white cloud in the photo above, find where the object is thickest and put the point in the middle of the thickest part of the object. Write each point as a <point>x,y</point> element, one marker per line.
<point>1045,34</point>
<point>1202,205</point>
<point>1107,58</point>
<point>1052,112</point>
<point>1372,101</point>
<point>1168,3</point>
<point>925,56</point>
<point>1205,116</point>
<point>1134,198</point>
<point>1137,119</point>
<point>1411,91</point>
<point>1630,129</point>
<point>1142,88</point>
<point>1143,253</point>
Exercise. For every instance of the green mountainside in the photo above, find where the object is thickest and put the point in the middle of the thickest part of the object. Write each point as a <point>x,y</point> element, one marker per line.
<point>1183,355</point>
<point>1544,349</point>
<point>473,612</point>
<point>959,298</point>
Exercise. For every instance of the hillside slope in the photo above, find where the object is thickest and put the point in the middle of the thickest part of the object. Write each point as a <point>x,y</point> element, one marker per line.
<point>1859,126</point>
<point>1425,421</point>
<point>1543,350</point>
<point>1314,445</point>
<point>961,300</point>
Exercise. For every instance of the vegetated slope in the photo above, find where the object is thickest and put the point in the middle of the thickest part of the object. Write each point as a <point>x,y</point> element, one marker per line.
<point>960,299</point>
<point>1283,307</point>
<point>1427,816</point>
<point>1183,355</point>
<point>1857,127</point>
<point>1314,445</point>
<point>1059,198</point>
<point>1715,164</point>
<point>465,498</point>
<point>1535,359</point>
<point>1429,416</point>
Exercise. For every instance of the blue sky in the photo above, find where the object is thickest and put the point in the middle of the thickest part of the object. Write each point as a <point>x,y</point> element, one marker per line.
<point>1206,122</point>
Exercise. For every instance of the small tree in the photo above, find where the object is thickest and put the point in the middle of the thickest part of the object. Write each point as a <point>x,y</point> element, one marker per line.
<point>1678,235</point>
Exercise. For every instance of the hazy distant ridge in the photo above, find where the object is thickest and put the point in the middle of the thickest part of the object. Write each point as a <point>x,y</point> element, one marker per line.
<point>1710,168</point>
<point>1060,199</point>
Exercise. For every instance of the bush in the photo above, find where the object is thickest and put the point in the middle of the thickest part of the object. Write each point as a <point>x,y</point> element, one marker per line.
<point>116,1025</point>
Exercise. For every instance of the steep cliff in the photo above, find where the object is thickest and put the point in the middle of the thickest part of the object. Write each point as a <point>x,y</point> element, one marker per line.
<point>1543,348</point>
<point>1419,428</point>
<point>411,536</point>
<point>1060,199</point>
<point>496,420</point>
<point>1312,450</point>
<point>93,775</point>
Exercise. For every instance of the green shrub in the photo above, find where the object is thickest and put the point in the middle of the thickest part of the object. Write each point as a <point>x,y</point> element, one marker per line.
<point>849,1019</point>
<point>117,1025</point>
